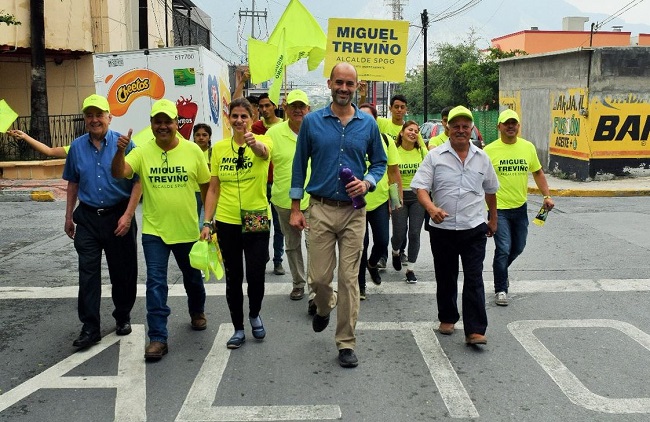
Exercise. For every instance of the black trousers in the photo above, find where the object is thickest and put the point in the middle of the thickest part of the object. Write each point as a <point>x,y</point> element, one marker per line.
<point>94,234</point>
<point>447,246</point>
<point>237,250</point>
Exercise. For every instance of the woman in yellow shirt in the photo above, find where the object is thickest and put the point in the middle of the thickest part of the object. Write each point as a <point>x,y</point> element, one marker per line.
<point>237,192</point>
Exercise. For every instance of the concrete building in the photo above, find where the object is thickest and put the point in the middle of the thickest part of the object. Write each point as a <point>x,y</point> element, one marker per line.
<point>587,110</point>
<point>572,35</point>
<point>74,29</point>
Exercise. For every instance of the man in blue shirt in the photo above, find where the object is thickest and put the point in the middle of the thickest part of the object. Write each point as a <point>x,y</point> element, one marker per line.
<point>335,137</point>
<point>103,221</point>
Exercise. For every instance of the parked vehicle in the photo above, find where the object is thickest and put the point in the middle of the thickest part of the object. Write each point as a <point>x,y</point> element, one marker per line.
<point>432,128</point>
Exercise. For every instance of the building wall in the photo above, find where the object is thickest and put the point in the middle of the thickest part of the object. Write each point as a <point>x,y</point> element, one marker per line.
<point>536,42</point>
<point>68,84</point>
<point>587,111</point>
<point>74,29</point>
<point>67,25</point>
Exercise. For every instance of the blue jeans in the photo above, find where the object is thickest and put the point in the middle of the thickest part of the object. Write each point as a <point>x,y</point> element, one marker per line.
<point>278,236</point>
<point>378,221</point>
<point>156,255</point>
<point>510,241</point>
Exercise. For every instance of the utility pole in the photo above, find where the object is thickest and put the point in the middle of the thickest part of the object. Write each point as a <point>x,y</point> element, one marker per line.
<point>425,26</point>
<point>252,14</point>
<point>39,124</point>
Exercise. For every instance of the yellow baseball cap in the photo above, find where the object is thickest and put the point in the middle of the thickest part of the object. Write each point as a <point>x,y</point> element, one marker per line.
<point>166,107</point>
<point>458,112</point>
<point>297,95</point>
<point>507,115</point>
<point>96,101</point>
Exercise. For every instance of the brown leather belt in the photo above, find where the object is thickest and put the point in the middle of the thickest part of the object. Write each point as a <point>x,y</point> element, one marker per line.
<point>331,202</point>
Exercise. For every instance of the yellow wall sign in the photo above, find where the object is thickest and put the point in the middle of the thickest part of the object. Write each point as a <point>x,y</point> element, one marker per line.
<point>377,48</point>
<point>511,100</point>
<point>569,128</point>
<point>620,127</point>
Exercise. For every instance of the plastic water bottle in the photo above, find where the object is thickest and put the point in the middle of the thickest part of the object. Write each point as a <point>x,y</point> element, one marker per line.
<point>541,216</point>
<point>347,176</point>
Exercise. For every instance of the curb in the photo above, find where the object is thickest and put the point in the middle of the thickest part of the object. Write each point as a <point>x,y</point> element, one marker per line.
<point>593,192</point>
<point>21,195</point>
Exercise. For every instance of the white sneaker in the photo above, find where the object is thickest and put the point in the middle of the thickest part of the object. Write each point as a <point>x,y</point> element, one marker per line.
<point>501,299</point>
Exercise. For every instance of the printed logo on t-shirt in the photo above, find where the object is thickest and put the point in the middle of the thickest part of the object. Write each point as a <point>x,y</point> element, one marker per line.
<point>167,176</point>
<point>511,166</point>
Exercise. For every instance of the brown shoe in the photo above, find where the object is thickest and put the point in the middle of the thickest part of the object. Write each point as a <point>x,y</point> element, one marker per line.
<point>446,328</point>
<point>155,350</point>
<point>297,293</point>
<point>476,339</point>
<point>199,322</point>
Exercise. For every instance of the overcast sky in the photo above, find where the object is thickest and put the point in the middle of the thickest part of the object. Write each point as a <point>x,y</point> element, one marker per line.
<point>487,20</point>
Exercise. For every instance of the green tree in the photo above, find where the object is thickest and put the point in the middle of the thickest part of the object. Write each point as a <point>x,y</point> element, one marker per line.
<point>458,74</point>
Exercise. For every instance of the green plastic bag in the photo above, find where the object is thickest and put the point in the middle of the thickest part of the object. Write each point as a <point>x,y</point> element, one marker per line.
<point>206,256</point>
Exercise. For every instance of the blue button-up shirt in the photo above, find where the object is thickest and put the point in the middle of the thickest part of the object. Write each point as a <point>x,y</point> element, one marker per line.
<point>91,169</point>
<point>332,146</point>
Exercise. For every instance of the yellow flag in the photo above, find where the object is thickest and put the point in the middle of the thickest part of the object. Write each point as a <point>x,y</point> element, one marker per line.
<point>278,71</point>
<point>301,37</point>
<point>261,60</point>
<point>7,116</point>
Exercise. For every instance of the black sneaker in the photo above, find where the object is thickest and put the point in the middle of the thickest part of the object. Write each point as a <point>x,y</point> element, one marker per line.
<point>381,264</point>
<point>404,258</point>
<point>347,358</point>
<point>311,307</point>
<point>397,262</point>
<point>362,293</point>
<point>374,275</point>
<point>319,323</point>
<point>411,278</point>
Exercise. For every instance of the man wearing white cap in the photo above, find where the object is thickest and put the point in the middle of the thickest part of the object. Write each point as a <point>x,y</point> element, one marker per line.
<point>284,137</point>
<point>169,169</point>
<point>103,221</point>
<point>460,178</point>
<point>513,158</point>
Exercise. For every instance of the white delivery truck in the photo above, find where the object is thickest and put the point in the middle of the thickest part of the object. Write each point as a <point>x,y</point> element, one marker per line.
<point>191,76</point>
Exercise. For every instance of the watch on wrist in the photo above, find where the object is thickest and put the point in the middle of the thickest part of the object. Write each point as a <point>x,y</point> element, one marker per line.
<point>207,224</point>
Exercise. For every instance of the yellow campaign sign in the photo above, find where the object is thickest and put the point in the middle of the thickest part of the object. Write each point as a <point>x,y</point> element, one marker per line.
<point>511,100</point>
<point>569,134</point>
<point>376,48</point>
<point>620,127</point>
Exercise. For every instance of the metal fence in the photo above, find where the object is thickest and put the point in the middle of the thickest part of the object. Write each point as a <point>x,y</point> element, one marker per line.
<point>485,121</point>
<point>63,129</point>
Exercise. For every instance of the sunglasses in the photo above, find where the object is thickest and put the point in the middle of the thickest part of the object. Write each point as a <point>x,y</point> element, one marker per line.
<point>240,158</point>
<point>163,157</point>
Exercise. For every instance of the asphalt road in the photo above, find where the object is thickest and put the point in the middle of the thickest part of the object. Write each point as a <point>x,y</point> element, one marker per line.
<point>572,346</point>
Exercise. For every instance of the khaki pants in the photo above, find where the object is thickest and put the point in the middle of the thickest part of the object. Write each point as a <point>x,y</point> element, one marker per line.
<point>330,226</point>
<point>293,248</point>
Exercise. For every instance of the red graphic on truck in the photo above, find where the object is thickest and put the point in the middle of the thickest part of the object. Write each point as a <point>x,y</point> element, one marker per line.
<point>187,110</point>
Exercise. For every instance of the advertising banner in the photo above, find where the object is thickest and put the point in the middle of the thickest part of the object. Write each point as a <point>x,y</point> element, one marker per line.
<point>377,48</point>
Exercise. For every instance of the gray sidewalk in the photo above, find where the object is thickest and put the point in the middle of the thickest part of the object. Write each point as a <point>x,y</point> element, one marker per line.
<point>18,190</point>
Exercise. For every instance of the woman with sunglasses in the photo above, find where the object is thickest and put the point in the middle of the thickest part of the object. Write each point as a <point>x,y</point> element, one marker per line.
<point>237,192</point>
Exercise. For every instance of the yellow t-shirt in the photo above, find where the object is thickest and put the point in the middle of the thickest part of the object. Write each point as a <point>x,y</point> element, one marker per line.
<point>284,148</point>
<point>387,126</point>
<point>380,194</point>
<point>512,162</point>
<point>438,140</point>
<point>409,162</point>
<point>66,148</point>
<point>168,181</point>
<point>243,189</point>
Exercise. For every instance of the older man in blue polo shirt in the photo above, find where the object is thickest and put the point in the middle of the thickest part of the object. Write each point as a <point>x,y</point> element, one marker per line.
<point>103,221</point>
